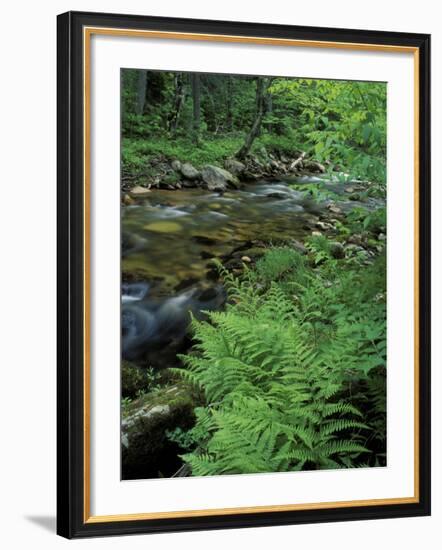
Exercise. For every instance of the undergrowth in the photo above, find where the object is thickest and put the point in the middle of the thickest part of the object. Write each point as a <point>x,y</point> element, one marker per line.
<point>293,371</point>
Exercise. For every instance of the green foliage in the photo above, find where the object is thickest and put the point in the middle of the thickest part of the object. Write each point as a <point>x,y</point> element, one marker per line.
<point>136,380</point>
<point>316,191</point>
<point>375,221</point>
<point>290,368</point>
<point>196,436</point>
<point>136,153</point>
<point>277,263</point>
<point>341,122</point>
<point>319,247</point>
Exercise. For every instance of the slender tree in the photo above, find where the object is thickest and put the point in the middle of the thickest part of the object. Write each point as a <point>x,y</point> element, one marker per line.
<point>262,85</point>
<point>229,116</point>
<point>179,99</point>
<point>196,100</point>
<point>141,92</point>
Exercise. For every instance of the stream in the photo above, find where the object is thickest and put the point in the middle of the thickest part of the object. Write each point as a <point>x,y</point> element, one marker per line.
<point>170,238</point>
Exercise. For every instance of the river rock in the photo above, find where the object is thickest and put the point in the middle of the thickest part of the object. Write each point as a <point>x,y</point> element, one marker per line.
<point>324,226</point>
<point>188,184</point>
<point>163,226</point>
<point>217,179</point>
<point>235,167</point>
<point>334,209</point>
<point>355,197</point>
<point>314,166</point>
<point>298,246</point>
<point>189,172</point>
<point>337,250</point>
<point>277,195</point>
<point>128,200</point>
<point>176,165</point>
<point>139,191</point>
<point>146,450</point>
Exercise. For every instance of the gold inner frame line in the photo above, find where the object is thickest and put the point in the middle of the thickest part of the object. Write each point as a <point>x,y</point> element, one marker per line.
<point>87,33</point>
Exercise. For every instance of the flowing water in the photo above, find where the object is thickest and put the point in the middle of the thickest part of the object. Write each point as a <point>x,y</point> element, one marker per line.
<point>171,237</point>
<point>169,241</point>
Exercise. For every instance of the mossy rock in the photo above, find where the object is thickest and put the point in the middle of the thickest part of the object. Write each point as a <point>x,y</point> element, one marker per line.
<point>171,178</point>
<point>146,450</point>
<point>356,197</point>
<point>337,250</point>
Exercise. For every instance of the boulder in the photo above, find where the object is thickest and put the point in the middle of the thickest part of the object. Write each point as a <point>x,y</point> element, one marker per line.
<point>235,167</point>
<point>337,250</point>
<point>189,172</point>
<point>298,246</point>
<point>146,450</point>
<point>139,191</point>
<point>128,200</point>
<point>314,166</point>
<point>334,209</point>
<point>355,197</point>
<point>188,184</point>
<point>218,179</point>
<point>324,226</point>
<point>277,195</point>
<point>176,165</point>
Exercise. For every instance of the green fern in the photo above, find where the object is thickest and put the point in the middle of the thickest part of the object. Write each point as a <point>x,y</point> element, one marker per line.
<point>272,399</point>
<point>293,372</point>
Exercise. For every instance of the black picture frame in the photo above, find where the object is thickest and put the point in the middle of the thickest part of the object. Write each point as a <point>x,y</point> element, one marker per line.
<point>71,519</point>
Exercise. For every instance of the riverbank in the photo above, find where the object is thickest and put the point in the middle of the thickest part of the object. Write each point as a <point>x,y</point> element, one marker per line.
<point>164,172</point>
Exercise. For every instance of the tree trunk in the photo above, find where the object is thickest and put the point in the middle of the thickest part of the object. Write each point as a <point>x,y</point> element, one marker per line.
<point>269,111</point>
<point>229,117</point>
<point>196,98</point>
<point>141,92</point>
<point>262,85</point>
<point>180,96</point>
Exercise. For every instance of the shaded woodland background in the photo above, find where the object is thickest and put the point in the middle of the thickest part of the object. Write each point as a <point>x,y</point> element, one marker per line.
<point>207,117</point>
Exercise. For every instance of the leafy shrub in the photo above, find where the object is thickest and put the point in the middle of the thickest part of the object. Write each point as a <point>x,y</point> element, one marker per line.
<point>375,221</point>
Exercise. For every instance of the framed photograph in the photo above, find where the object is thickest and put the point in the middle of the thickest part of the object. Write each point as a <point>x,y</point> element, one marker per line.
<point>243,274</point>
